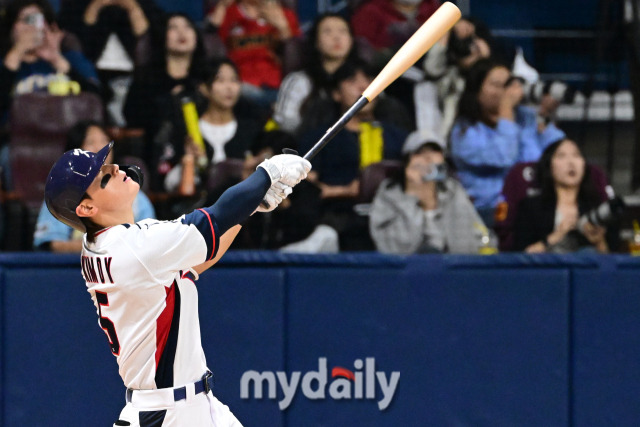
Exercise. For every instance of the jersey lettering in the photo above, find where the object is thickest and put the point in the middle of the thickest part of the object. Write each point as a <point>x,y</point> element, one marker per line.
<point>94,269</point>
<point>106,324</point>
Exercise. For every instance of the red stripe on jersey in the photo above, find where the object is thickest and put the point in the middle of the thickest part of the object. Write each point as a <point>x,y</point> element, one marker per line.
<point>102,231</point>
<point>213,236</point>
<point>187,275</point>
<point>163,323</point>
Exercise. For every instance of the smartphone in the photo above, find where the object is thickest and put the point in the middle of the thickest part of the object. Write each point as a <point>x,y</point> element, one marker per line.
<point>36,20</point>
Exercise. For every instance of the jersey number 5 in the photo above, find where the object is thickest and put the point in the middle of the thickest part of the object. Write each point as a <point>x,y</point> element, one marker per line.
<point>106,323</point>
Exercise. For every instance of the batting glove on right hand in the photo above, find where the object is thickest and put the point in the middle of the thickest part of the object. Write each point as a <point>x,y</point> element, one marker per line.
<point>275,195</point>
<point>289,169</point>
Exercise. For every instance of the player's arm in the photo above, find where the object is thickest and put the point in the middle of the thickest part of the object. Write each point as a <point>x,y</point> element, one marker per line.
<point>236,204</point>
<point>225,241</point>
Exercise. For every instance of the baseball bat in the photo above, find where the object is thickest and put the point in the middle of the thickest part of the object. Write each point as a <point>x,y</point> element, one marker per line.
<point>420,42</point>
<point>426,36</point>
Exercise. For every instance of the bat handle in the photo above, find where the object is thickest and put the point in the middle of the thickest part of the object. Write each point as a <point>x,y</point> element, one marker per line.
<point>337,127</point>
<point>264,203</point>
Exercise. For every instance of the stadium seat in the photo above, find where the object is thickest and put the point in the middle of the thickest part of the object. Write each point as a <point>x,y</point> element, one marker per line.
<point>373,175</point>
<point>38,132</point>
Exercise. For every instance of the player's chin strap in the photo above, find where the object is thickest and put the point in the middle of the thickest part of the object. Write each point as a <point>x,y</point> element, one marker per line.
<point>133,172</point>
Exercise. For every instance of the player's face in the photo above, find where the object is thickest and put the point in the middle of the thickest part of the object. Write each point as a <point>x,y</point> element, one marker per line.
<point>181,36</point>
<point>112,190</point>
<point>225,89</point>
<point>567,165</point>
<point>334,39</point>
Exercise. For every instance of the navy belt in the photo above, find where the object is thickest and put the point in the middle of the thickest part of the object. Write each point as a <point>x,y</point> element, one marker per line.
<point>180,393</point>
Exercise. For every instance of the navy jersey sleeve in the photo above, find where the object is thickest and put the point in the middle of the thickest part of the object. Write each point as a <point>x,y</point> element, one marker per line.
<point>208,227</point>
<point>233,207</point>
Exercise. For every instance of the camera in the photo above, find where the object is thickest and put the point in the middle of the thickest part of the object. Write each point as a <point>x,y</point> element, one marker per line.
<point>459,48</point>
<point>437,172</point>
<point>605,214</point>
<point>559,91</point>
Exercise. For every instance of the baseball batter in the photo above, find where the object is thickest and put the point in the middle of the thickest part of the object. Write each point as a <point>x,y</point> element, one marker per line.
<point>141,277</point>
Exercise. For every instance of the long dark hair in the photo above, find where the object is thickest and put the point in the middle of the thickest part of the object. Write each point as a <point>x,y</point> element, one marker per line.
<point>312,65</point>
<point>209,71</point>
<point>159,50</point>
<point>313,56</point>
<point>11,16</point>
<point>469,107</point>
<point>588,196</point>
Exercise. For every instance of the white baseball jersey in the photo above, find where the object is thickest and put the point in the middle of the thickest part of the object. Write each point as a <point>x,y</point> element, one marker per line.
<point>140,281</point>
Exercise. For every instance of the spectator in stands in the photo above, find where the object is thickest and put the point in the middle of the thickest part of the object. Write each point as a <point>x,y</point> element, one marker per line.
<point>294,226</point>
<point>329,45</point>
<point>493,131</point>
<point>387,24</point>
<point>34,59</point>
<point>383,26</point>
<point>154,101</point>
<point>227,131</point>
<point>447,62</point>
<point>51,234</point>
<point>109,31</point>
<point>215,12</point>
<point>549,222</point>
<point>253,31</point>
<point>424,209</point>
<point>363,141</point>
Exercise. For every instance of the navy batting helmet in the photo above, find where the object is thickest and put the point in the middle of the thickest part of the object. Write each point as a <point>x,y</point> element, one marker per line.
<point>68,181</point>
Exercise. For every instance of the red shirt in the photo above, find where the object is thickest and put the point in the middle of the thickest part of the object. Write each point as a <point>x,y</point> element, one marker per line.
<point>380,23</point>
<point>251,45</point>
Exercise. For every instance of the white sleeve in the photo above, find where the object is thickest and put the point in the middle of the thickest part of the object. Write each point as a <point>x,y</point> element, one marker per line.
<point>167,246</point>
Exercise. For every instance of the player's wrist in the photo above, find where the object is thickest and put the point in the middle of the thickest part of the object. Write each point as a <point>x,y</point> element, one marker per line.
<point>272,170</point>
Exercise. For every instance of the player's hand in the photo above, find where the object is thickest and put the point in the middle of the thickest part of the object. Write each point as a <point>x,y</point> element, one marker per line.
<point>275,195</point>
<point>289,169</point>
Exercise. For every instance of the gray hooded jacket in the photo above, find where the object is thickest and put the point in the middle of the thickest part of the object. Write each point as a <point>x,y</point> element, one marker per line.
<point>398,223</point>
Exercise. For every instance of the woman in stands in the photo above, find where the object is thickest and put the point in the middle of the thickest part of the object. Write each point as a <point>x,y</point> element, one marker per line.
<point>493,131</point>
<point>154,99</point>
<point>329,45</point>
<point>228,132</point>
<point>550,221</point>
<point>36,56</point>
<point>424,209</point>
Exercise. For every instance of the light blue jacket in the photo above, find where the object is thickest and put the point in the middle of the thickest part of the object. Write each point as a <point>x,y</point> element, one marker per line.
<point>484,155</point>
<point>49,229</point>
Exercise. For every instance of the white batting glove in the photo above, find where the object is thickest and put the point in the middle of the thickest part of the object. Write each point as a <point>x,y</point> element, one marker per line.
<point>272,199</point>
<point>289,169</point>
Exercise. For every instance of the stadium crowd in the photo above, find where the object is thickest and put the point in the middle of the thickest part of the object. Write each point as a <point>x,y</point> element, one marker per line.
<point>428,166</point>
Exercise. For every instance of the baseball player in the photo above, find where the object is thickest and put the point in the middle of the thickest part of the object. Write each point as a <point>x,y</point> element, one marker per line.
<point>141,277</point>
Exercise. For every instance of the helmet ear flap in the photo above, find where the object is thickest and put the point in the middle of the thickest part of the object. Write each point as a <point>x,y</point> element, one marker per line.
<point>134,172</point>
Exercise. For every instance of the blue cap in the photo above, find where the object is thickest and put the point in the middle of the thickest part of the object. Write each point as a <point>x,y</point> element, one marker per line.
<point>68,181</point>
